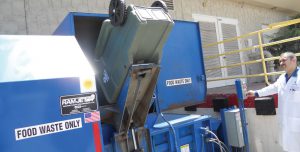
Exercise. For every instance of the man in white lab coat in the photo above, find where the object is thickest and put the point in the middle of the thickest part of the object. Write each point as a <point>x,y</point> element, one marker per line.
<point>288,88</point>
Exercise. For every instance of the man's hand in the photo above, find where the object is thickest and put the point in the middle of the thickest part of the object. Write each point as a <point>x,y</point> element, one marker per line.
<point>250,93</point>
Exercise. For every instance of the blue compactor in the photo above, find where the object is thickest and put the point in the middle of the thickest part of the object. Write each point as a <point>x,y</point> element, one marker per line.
<point>47,93</point>
<point>131,69</point>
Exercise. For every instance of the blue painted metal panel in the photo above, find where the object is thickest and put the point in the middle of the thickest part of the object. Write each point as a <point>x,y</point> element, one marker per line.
<point>67,27</point>
<point>241,93</point>
<point>182,58</point>
<point>30,103</point>
<point>187,132</point>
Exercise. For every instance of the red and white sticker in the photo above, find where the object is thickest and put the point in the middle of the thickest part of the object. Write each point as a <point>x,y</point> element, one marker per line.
<point>92,117</point>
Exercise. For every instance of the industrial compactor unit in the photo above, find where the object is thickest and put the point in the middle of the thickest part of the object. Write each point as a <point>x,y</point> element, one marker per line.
<point>129,67</point>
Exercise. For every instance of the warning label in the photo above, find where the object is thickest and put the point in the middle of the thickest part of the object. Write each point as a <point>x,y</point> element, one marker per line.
<point>48,128</point>
<point>80,103</point>
<point>185,148</point>
<point>181,81</point>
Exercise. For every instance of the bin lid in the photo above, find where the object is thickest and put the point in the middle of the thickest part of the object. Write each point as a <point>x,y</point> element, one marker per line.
<point>24,57</point>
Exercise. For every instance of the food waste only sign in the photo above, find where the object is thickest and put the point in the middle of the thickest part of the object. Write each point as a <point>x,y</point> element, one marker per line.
<point>80,103</point>
<point>48,128</point>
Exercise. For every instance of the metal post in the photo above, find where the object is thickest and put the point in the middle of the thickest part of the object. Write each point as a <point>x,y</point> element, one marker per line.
<point>240,94</point>
<point>262,57</point>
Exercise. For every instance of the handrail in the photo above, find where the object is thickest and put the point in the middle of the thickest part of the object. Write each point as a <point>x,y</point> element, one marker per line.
<point>244,63</point>
<point>270,27</point>
<point>254,47</point>
<point>247,76</point>
<point>260,46</point>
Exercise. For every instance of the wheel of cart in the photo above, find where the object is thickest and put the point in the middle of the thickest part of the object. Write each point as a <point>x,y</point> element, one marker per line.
<point>117,12</point>
<point>161,4</point>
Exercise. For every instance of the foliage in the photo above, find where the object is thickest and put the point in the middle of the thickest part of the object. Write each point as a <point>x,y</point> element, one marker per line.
<point>284,33</point>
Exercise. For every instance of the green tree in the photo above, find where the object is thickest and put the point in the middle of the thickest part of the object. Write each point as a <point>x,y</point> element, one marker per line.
<point>285,33</point>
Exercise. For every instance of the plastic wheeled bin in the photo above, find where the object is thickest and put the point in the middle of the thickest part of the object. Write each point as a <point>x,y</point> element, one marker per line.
<point>139,40</point>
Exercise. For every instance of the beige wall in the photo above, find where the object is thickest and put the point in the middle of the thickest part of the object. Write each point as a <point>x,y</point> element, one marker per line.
<point>43,16</point>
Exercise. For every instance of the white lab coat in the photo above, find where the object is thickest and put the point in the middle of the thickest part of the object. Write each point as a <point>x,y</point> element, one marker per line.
<point>288,110</point>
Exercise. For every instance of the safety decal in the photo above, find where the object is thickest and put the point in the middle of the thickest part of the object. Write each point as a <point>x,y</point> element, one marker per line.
<point>48,128</point>
<point>181,81</point>
<point>185,148</point>
<point>80,103</point>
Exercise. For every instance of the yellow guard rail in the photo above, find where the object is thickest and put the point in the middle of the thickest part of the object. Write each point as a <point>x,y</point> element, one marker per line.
<point>260,46</point>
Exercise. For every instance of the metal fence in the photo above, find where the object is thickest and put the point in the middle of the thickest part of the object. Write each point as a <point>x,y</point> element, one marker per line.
<point>260,46</point>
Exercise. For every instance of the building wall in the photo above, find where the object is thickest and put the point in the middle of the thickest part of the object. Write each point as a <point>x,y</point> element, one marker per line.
<point>41,17</point>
